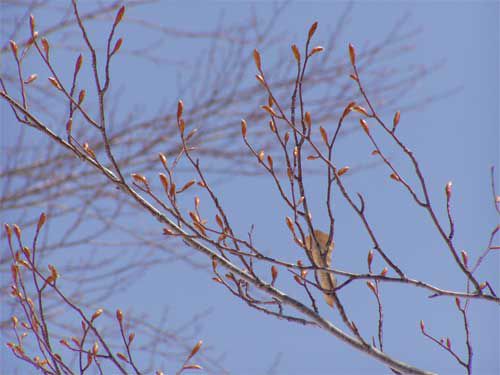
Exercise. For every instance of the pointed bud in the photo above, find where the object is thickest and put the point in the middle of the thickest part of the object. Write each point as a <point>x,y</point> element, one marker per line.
<point>274,274</point>
<point>46,47</point>
<point>369,258</point>
<point>364,125</point>
<point>457,302</point>
<point>31,78</point>
<point>243,128</point>
<point>41,221</point>
<point>296,53</point>
<point>342,171</point>
<point>55,83</point>
<point>13,48</point>
<point>81,96</point>
<point>97,314</point>
<point>261,155</point>
<point>312,30</point>
<point>422,326</point>
<point>289,224</point>
<point>119,15</point>
<point>180,109</point>
<point>119,316</point>
<point>465,258</point>
<point>256,59</point>
<point>316,49</point>
<point>307,119</point>
<point>352,54</point>
<point>269,110</point>
<point>384,271</point>
<point>324,135</point>
<point>371,286</point>
<point>32,24</point>
<point>395,121</point>
<point>78,64</point>
<point>448,190</point>
<point>117,46</point>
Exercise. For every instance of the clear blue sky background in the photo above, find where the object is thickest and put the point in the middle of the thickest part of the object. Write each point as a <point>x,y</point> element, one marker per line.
<point>455,138</point>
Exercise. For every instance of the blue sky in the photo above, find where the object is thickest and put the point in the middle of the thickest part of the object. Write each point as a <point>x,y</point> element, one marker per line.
<point>454,138</point>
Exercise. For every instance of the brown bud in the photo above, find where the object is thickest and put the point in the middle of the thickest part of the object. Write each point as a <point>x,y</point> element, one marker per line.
<point>243,128</point>
<point>261,155</point>
<point>46,47</point>
<point>97,314</point>
<point>270,161</point>
<point>371,286</point>
<point>31,78</point>
<point>53,271</point>
<point>95,348</point>
<point>307,119</point>
<point>457,302</point>
<point>369,258</point>
<point>375,152</point>
<point>448,190</point>
<point>78,64</point>
<point>69,125</point>
<point>316,50</point>
<point>422,326</point>
<point>180,109</point>
<point>81,96</point>
<point>13,47</point>
<point>122,357</point>
<point>119,315</point>
<point>117,46</point>
<point>364,125</point>
<point>359,109</point>
<point>195,349</point>
<point>395,177</point>
<point>55,83</point>
<point>287,137</point>
<point>41,221</point>
<point>274,274</point>
<point>131,337</point>
<point>342,171</point>
<point>348,109</point>
<point>384,271</point>
<point>163,160</point>
<point>296,52</point>
<point>272,126</point>
<point>448,343</point>
<point>256,59</point>
<point>269,110</point>
<point>465,258</point>
<point>139,178</point>
<point>119,15</point>
<point>354,77</point>
<point>17,231</point>
<point>395,120</point>
<point>352,54</point>
<point>32,24</point>
<point>289,224</point>
<point>187,185</point>
<point>164,181</point>
<point>324,135</point>
<point>312,30</point>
